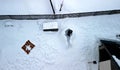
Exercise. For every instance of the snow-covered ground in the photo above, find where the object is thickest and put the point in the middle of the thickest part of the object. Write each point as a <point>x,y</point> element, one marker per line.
<point>26,7</point>
<point>51,51</point>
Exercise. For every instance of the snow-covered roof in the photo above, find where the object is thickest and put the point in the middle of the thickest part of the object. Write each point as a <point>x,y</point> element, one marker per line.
<point>26,7</point>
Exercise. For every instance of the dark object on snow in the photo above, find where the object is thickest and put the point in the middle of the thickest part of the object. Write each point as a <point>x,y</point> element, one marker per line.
<point>61,6</point>
<point>94,62</point>
<point>51,30</point>
<point>52,7</point>
<point>68,32</point>
<point>28,46</point>
<point>118,36</point>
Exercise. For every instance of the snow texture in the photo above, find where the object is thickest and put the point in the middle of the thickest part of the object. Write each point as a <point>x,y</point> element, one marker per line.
<point>51,51</point>
<point>50,25</point>
<point>26,7</point>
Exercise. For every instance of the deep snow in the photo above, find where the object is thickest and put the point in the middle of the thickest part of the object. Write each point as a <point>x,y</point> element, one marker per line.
<point>51,50</point>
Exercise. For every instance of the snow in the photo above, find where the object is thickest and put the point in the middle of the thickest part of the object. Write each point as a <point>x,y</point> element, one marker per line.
<point>23,7</point>
<point>26,7</point>
<point>50,25</point>
<point>51,51</point>
<point>117,60</point>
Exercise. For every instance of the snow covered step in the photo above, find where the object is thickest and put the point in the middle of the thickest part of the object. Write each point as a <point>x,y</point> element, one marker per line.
<point>50,26</point>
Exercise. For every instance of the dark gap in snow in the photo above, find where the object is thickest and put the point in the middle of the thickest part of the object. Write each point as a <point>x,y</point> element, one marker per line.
<point>50,30</point>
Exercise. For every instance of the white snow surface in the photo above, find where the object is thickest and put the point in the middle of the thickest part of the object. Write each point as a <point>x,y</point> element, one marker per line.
<point>51,51</point>
<point>26,7</point>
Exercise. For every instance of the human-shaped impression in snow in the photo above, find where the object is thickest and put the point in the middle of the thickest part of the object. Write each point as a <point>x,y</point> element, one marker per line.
<point>68,34</point>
